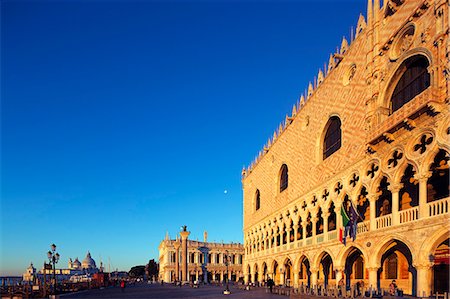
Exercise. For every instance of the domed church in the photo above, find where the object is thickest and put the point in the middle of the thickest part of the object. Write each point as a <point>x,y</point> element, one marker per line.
<point>88,263</point>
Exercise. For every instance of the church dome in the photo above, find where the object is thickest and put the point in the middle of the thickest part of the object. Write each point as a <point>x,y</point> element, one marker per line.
<point>88,262</point>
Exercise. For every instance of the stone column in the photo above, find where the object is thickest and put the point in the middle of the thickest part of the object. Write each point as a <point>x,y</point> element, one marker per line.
<point>314,224</point>
<point>295,231</point>
<point>282,277</point>
<point>184,268</point>
<point>423,180</point>
<point>288,228</point>
<point>314,277</point>
<point>372,210</point>
<point>296,279</point>
<point>221,276</point>
<point>176,245</point>
<point>395,188</point>
<point>304,223</point>
<point>424,280</point>
<point>325,225</point>
<point>373,282</point>
<point>337,210</point>
<point>339,275</point>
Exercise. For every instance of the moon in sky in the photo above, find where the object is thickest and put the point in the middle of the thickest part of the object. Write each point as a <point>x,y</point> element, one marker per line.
<point>225,191</point>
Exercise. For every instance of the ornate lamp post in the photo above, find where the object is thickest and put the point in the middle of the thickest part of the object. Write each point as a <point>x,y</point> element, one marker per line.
<point>53,257</point>
<point>227,290</point>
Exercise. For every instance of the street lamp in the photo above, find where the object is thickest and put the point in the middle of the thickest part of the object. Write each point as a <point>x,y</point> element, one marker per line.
<point>227,290</point>
<point>53,257</point>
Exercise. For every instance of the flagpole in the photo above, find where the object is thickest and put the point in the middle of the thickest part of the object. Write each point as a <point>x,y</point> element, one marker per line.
<point>359,216</point>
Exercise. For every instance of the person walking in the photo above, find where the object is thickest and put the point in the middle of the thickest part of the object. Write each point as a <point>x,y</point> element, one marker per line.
<point>270,283</point>
<point>122,285</point>
<point>393,288</point>
<point>341,286</point>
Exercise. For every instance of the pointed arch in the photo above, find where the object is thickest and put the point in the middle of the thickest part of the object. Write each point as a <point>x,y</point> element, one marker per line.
<point>402,65</point>
<point>412,78</point>
<point>437,184</point>
<point>409,193</point>
<point>257,200</point>
<point>332,138</point>
<point>384,200</point>
<point>284,177</point>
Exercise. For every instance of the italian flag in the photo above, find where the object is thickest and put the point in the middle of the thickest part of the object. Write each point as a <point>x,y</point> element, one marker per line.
<point>345,221</point>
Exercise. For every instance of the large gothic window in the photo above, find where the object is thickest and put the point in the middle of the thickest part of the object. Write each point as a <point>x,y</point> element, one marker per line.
<point>257,200</point>
<point>332,140</point>
<point>414,79</point>
<point>284,177</point>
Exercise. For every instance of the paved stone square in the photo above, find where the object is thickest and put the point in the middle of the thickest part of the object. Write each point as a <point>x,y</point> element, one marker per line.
<point>170,291</point>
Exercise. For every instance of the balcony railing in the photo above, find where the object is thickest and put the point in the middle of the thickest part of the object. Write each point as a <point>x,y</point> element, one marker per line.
<point>332,235</point>
<point>384,221</point>
<point>363,227</point>
<point>438,207</point>
<point>409,215</point>
<point>308,241</point>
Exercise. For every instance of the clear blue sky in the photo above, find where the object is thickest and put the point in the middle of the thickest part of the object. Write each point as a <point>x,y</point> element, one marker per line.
<point>122,120</point>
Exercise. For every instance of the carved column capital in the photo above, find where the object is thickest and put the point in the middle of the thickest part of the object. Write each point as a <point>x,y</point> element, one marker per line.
<point>423,266</point>
<point>423,177</point>
<point>370,269</point>
<point>395,187</point>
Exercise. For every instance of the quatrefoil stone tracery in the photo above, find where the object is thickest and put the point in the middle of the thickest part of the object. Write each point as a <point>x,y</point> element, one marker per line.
<point>424,141</point>
<point>372,171</point>
<point>394,160</point>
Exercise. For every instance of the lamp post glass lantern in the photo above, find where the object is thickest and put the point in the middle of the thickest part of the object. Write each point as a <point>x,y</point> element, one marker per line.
<point>227,290</point>
<point>53,258</point>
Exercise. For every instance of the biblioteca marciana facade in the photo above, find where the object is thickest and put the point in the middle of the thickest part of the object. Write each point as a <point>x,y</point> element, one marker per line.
<point>185,260</point>
<point>372,135</point>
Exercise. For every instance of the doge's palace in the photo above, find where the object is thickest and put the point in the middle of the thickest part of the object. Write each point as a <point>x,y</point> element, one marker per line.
<point>353,186</point>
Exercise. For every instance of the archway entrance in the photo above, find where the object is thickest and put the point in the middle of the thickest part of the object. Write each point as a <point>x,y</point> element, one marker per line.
<point>276,274</point>
<point>256,278</point>
<point>441,267</point>
<point>304,273</point>
<point>396,264</point>
<point>264,267</point>
<point>249,274</point>
<point>354,267</point>
<point>326,270</point>
<point>288,272</point>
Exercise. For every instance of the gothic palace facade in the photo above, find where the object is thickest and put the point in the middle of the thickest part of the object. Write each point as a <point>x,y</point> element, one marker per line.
<point>372,132</point>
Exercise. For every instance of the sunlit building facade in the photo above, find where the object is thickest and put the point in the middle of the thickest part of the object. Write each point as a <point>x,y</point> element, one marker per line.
<point>202,257</point>
<point>372,132</point>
